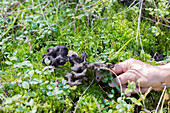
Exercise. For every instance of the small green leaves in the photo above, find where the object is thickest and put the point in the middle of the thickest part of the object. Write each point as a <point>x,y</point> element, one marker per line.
<point>25,85</point>
<point>64,82</point>
<point>49,87</point>
<point>66,87</point>
<point>105,80</point>
<point>131,87</point>
<point>134,100</point>
<point>49,93</point>
<point>8,101</point>
<point>8,62</point>
<point>110,95</point>
<point>47,61</point>
<point>31,94</point>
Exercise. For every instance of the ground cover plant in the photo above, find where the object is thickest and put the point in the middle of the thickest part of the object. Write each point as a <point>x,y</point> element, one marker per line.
<point>107,30</point>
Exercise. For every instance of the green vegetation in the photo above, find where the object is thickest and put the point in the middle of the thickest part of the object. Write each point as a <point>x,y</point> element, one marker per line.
<point>105,29</point>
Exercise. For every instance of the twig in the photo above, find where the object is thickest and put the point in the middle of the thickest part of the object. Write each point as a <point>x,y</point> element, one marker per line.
<point>46,4</point>
<point>97,104</point>
<point>138,30</point>
<point>6,93</point>
<point>29,43</point>
<point>37,5</point>
<point>81,96</point>
<point>84,14</point>
<point>103,90</point>
<point>163,101</point>
<point>160,100</point>
<point>155,4</point>
<point>75,21</point>
<point>124,11</point>
<point>131,4</point>
<point>155,21</point>
<point>43,12</point>
<point>11,24</point>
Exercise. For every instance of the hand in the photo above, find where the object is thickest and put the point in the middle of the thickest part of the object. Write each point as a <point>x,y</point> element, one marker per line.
<point>145,75</point>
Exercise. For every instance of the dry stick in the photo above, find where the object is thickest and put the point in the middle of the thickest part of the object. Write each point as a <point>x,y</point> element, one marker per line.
<point>155,21</point>
<point>103,90</point>
<point>74,19</point>
<point>9,13</point>
<point>81,96</point>
<point>97,104</point>
<point>94,8</point>
<point>81,3</point>
<point>29,43</point>
<point>163,101</point>
<point>138,30</point>
<point>43,12</point>
<point>36,5</point>
<point>84,14</point>
<point>46,5</point>
<point>160,100</point>
<point>124,11</point>
<point>155,4</point>
<point>131,4</point>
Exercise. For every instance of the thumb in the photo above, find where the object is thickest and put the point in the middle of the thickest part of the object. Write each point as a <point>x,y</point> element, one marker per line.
<point>122,79</point>
<point>123,66</point>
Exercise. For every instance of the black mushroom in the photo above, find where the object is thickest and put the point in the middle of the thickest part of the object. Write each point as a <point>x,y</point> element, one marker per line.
<point>59,55</point>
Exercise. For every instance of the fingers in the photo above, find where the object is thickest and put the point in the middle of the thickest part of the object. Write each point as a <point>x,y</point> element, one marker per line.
<point>123,66</point>
<point>124,78</point>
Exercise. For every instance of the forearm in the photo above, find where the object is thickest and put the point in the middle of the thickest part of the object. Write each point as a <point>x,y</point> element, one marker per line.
<point>165,71</point>
<point>166,66</point>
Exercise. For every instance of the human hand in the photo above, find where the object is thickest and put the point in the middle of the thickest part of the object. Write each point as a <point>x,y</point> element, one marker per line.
<point>143,74</point>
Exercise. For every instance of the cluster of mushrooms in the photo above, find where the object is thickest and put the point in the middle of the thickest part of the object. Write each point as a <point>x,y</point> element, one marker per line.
<point>59,55</point>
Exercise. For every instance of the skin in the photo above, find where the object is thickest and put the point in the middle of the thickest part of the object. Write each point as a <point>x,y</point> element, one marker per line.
<point>145,75</point>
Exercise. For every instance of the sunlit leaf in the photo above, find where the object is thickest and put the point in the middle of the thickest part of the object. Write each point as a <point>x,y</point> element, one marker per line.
<point>25,85</point>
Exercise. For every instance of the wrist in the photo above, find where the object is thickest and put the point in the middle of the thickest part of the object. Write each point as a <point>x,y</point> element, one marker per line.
<point>165,72</point>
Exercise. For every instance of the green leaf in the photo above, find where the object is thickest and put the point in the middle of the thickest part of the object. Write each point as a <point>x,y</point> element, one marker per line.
<point>34,110</point>
<point>21,109</point>
<point>2,96</point>
<point>47,61</point>
<point>110,95</point>
<point>134,100</point>
<point>25,85</point>
<point>8,62</point>
<point>66,87</point>
<point>8,101</point>
<point>31,94</point>
<point>64,82</point>
<point>16,97</point>
<point>105,80</point>
<point>49,93</point>
<point>31,102</point>
<point>58,92</point>
<point>49,87</point>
